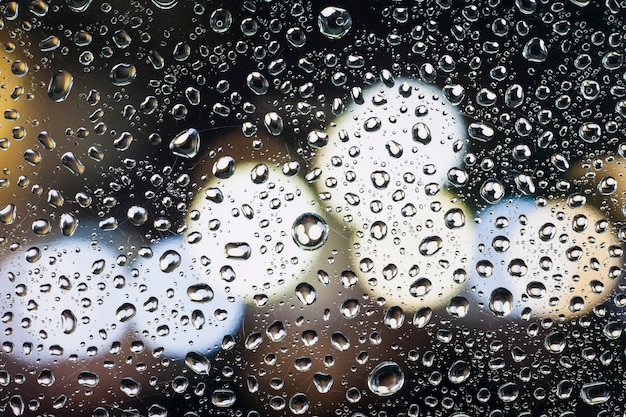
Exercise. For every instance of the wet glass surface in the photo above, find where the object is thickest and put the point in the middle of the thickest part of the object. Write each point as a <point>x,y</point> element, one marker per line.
<point>273,208</point>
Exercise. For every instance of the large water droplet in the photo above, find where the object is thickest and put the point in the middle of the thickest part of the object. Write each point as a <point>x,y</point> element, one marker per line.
<point>197,362</point>
<point>186,144</point>
<point>220,20</point>
<point>123,74</point>
<point>309,231</point>
<point>68,321</point>
<point>535,50</point>
<point>200,293</point>
<point>306,293</point>
<point>88,379</point>
<point>130,386</point>
<point>169,261</point>
<point>60,85</point>
<point>334,22</point>
<point>257,83</point>
<point>501,302</point>
<point>386,379</point>
<point>276,331</point>
<point>459,372</point>
<point>223,398</point>
<point>594,393</point>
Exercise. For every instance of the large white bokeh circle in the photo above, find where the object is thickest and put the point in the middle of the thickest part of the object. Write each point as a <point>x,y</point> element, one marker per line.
<point>247,242</point>
<point>65,302</point>
<point>560,261</point>
<point>384,168</point>
<point>385,135</point>
<point>183,309</point>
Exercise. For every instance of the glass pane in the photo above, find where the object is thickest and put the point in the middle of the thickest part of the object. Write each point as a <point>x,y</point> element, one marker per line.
<point>259,208</point>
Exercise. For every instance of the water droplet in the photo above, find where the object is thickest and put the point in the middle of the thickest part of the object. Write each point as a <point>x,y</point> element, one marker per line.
<point>420,287</point>
<point>164,4</point>
<point>394,318</point>
<point>334,22</point>
<point>68,321</point>
<point>421,133</point>
<point>46,378</point>
<point>220,20</point>
<point>273,123</point>
<point>186,144</point>
<point>169,261</point>
<point>130,386</point>
<point>458,307</point>
<point>237,250</point>
<point>385,379</point>
<point>197,362</point>
<point>508,392</point>
<point>480,132</point>
<point>555,342</point>
<point>276,331</point>
<point>257,83</point>
<point>323,382</point>
<point>122,74</point>
<point>339,341</point>
<point>200,293</point>
<point>459,372</point>
<point>535,50</point>
<point>501,302</point>
<point>71,162</point>
<point>88,379</point>
<point>594,393</point>
<point>224,167</point>
<point>430,245</point>
<point>607,185</point>
<point>378,230</point>
<point>299,403</point>
<point>422,317</point>
<point>253,340</point>
<point>78,5</point>
<point>223,398</point>
<point>306,293</point>
<point>17,405</point>
<point>60,85</point>
<point>8,214</point>
<point>309,231</point>
<point>454,218</point>
<point>492,191</point>
<point>125,312</point>
<point>350,308</point>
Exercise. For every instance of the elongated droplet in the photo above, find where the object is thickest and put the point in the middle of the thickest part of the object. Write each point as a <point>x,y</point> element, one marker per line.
<point>68,321</point>
<point>197,362</point>
<point>60,85</point>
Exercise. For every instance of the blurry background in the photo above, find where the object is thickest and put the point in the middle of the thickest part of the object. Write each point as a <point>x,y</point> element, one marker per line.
<point>266,208</point>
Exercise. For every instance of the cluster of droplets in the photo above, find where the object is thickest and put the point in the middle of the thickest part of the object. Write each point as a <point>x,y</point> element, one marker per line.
<point>395,187</point>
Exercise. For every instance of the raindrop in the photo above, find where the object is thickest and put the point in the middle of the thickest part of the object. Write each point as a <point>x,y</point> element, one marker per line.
<point>169,261</point>
<point>60,85</point>
<point>334,22</point>
<point>594,393</point>
<point>501,302</point>
<point>220,20</point>
<point>200,293</point>
<point>535,50</point>
<point>123,74</point>
<point>459,372</point>
<point>385,379</point>
<point>309,231</point>
<point>68,321</point>
<point>130,386</point>
<point>197,362</point>
<point>186,144</point>
<point>306,293</point>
